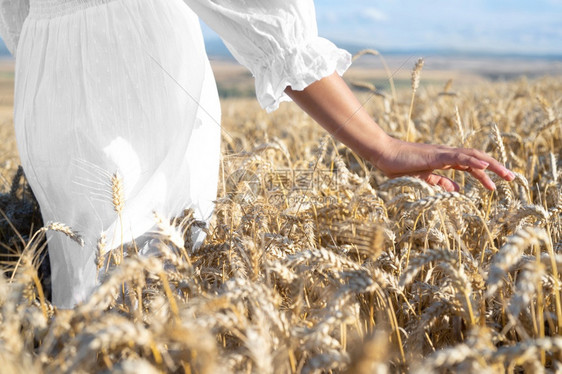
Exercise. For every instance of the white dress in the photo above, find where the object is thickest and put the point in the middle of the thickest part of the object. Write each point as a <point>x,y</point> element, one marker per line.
<point>125,86</point>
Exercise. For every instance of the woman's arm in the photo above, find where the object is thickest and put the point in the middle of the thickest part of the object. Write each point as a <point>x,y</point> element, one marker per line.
<point>331,103</point>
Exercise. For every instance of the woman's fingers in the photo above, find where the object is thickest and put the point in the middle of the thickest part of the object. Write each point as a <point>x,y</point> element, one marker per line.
<point>423,159</point>
<point>444,182</point>
<point>495,166</point>
<point>484,179</point>
<point>472,157</point>
<point>449,185</point>
<point>466,162</point>
<point>460,159</point>
<point>501,170</point>
<point>472,160</point>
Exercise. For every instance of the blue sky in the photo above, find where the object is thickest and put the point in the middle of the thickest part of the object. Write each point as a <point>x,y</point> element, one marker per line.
<point>504,26</point>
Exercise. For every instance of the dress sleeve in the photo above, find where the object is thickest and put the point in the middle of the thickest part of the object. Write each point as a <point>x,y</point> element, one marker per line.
<point>277,40</point>
<point>12,15</point>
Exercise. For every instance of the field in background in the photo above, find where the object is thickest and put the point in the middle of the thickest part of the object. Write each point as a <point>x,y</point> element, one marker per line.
<point>314,261</point>
<point>235,80</point>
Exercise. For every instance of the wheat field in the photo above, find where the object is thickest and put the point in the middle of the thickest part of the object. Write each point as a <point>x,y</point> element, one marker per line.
<point>315,262</point>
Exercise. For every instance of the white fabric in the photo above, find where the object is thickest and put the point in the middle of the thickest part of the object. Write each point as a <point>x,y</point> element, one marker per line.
<point>277,40</point>
<point>125,86</point>
<point>12,15</point>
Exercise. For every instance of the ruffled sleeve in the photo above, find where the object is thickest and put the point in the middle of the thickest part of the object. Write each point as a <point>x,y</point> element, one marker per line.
<point>277,40</point>
<point>12,15</point>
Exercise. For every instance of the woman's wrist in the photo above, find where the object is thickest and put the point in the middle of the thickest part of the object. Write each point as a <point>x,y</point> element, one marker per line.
<point>380,148</point>
<point>332,104</point>
<point>370,142</point>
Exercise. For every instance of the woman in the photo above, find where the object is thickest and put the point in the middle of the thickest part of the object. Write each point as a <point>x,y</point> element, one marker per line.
<point>122,91</point>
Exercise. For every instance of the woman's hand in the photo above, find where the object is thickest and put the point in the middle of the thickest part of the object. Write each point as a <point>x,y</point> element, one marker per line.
<point>401,158</point>
<point>331,103</point>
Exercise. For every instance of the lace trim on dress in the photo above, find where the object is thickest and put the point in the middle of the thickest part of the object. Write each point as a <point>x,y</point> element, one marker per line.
<point>298,68</point>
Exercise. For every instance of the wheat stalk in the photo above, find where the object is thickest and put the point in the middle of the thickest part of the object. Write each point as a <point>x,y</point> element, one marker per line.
<point>66,230</point>
<point>415,85</point>
<point>510,253</point>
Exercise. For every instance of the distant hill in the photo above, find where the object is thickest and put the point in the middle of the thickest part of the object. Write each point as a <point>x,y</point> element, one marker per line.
<point>217,50</point>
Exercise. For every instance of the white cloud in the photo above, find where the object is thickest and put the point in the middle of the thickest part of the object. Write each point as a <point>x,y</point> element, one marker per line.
<point>373,14</point>
<point>330,16</point>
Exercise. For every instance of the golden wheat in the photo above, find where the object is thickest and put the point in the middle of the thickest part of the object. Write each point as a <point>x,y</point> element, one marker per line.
<point>323,264</point>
